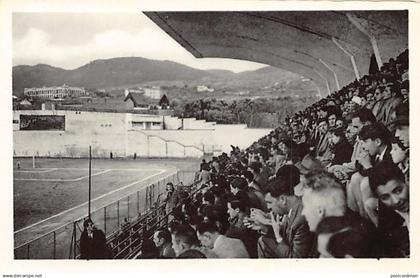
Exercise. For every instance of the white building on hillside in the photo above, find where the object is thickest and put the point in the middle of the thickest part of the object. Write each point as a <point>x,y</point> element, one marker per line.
<point>54,92</point>
<point>154,92</point>
<point>203,88</point>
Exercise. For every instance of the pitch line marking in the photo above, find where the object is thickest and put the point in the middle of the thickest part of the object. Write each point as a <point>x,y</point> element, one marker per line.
<point>81,178</point>
<point>85,203</point>
<point>35,171</point>
<point>94,169</point>
<point>66,180</point>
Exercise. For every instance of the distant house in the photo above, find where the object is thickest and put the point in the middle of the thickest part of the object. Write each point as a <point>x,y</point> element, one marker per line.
<point>25,102</point>
<point>203,88</point>
<point>138,100</point>
<point>153,93</point>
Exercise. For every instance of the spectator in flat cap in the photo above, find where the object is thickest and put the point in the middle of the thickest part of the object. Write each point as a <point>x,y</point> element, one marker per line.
<point>307,165</point>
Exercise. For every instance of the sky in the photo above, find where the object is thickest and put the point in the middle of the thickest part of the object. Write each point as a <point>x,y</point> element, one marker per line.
<point>70,40</point>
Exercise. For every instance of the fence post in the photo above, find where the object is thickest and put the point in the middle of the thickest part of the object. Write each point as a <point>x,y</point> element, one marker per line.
<point>105,220</point>
<point>118,214</point>
<point>75,239</point>
<point>128,207</point>
<point>28,251</point>
<point>54,250</point>
<point>138,202</point>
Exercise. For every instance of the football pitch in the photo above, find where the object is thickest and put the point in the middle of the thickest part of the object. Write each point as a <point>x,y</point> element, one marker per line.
<point>55,186</point>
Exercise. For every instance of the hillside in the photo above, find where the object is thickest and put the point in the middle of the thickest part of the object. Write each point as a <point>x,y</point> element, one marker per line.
<point>103,73</point>
<point>135,71</point>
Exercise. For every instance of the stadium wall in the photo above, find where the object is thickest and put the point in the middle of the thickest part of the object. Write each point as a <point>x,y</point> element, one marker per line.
<point>113,132</point>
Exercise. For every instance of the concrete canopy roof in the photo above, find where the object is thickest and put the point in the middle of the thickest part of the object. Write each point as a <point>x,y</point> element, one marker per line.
<point>315,44</point>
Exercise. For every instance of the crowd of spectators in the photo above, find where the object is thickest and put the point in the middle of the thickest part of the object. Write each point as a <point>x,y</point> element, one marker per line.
<point>332,181</point>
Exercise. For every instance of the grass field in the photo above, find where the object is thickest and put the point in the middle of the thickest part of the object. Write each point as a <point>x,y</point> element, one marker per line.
<point>56,185</point>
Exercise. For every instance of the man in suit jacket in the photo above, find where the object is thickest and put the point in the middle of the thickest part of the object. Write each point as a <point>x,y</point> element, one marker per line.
<point>389,186</point>
<point>223,246</point>
<point>375,141</point>
<point>290,236</point>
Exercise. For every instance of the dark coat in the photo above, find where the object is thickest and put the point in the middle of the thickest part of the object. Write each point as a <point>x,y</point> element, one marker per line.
<point>94,248</point>
<point>393,235</point>
<point>342,152</point>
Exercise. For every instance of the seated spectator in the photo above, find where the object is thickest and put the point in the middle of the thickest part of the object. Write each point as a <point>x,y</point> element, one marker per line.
<point>149,250</point>
<point>405,88</point>
<point>291,237</point>
<point>307,165</point>
<point>322,149</point>
<point>192,254</point>
<point>240,186</point>
<point>402,130</point>
<point>399,154</point>
<point>254,188</point>
<point>163,241</point>
<point>344,237</point>
<point>255,168</point>
<point>323,197</point>
<point>387,183</point>
<point>332,118</point>
<point>93,242</point>
<point>340,123</point>
<point>375,140</point>
<point>222,246</point>
<point>378,101</point>
<point>341,148</point>
<point>184,238</point>
<point>238,211</point>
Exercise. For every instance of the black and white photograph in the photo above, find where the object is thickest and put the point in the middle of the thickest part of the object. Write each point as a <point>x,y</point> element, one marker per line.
<point>158,135</point>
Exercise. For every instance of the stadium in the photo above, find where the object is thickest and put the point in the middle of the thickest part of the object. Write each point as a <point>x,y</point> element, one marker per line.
<point>189,188</point>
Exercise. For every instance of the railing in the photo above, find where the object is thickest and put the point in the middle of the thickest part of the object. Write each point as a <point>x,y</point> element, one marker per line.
<point>127,243</point>
<point>166,141</point>
<point>62,243</point>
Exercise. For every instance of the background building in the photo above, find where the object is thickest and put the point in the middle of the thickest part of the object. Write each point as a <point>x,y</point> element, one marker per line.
<point>54,92</point>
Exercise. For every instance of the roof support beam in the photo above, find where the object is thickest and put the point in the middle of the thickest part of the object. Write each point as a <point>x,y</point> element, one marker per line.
<point>358,24</point>
<point>353,62</point>
<point>335,75</point>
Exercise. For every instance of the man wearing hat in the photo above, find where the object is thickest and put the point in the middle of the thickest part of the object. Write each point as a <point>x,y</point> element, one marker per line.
<point>307,165</point>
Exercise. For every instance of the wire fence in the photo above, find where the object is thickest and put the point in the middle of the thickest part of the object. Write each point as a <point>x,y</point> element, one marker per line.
<point>62,243</point>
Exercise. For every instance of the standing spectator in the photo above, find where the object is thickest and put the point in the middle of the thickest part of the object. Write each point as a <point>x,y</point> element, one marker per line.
<point>172,197</point>
<point>93,243</point>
